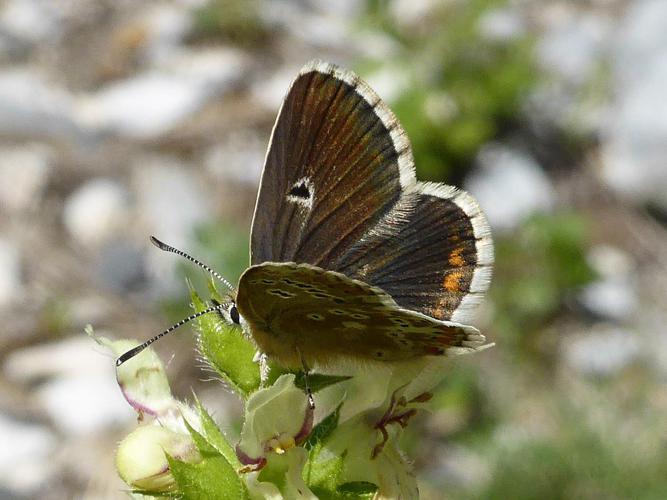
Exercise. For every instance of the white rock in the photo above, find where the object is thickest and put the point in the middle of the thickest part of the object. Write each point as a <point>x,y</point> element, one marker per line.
<point>459,466</point>
<point>614,294</point>
<point>572,48</point>
<point>10,273</point>
<point>31,20</point>
<point>641,41</point>
<point>318,29</point>
<point>143,106</point>
<point>215,69</point>
<point>634,142</point>
<point>70,357</point>
<point>610,298</point>
<point>350,10</point>
<point>389,82</point>
<point>121,266</point>
<point>96,211</point>
<point>601,352</point>
<point>81,395</point>
<point>166,27</point>
<point>32,105</point>
<point>509,186</point>
<point>26,456</point>
<point>270,91</point>
<point>411,13</point>
<point>171,203</point>
<point>84,404</point>
<point>24,171</point>
<point>501,24</point>
<point>239,157</point>
<point>152,103</point>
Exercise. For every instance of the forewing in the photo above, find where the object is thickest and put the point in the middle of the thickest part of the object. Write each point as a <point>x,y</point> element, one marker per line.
<point>292,308</point>
<point>432,252</point>
<point>335,166</point>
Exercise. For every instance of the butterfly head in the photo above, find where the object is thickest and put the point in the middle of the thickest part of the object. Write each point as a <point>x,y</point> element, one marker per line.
<point>228,311</point>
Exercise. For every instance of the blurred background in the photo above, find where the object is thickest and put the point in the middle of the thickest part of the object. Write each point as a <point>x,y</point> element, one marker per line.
<point>121,119</point>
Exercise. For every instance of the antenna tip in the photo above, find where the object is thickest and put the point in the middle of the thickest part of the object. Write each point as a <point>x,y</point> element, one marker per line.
<point>130,354</point>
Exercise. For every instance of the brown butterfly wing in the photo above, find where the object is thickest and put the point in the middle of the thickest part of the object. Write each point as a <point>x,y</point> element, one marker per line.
<point>299,309</point>
<point>339,191</point>
<point>335,166</point>
<point>432,252</point>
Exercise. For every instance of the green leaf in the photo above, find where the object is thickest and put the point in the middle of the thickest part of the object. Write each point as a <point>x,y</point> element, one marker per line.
<point>202,444</point>
<point>323,477</point>
<point>227,350</point>
<point>212,478</point>
<point>357,489</point>
<point>322,430</point>
<point>215,437</point>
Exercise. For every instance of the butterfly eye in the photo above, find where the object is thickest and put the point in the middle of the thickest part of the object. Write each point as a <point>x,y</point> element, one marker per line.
<point>234,314</point>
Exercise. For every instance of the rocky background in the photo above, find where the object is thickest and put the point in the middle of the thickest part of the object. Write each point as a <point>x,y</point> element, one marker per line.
<point>121,119</point>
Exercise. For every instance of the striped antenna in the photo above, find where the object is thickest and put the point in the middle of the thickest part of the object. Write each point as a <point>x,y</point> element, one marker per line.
<point>133,352</point>
<point>168,248</point>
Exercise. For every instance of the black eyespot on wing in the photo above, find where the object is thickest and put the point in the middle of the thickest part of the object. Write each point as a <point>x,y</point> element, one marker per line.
<point>234,314</point>
<point>300,190</point>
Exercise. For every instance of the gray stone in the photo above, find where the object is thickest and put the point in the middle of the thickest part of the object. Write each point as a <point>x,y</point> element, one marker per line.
<point>171,203</point>
<point>96,212</point>
<point>614,294</point>
<point>501,24</point>
<point>152,103</point>
<point>31,21</point>
<point>509,186</point>
<point>238,157</point>
<point>634,141</point>
<point>602,351</point>
<point>80,394</point>
<point>26,456</point>
<point>24,172</point>
<point>10,273</point>
<point>33,106</point>
<point>121,267</point>
<point>573,47</point>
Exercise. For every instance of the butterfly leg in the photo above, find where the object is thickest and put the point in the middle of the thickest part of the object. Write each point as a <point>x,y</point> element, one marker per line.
<point>306,371</point>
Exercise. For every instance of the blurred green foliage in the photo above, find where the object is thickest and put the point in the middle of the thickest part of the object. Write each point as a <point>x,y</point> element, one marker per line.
<point>537,269</point>
<point>580,462</point>
<point>226,245</point>
<point>464,89</point>
<point>234,21</point>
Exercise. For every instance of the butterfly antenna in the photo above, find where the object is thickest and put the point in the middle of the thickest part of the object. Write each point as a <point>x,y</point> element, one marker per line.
<point>133,352</point>
<point>168,248</point>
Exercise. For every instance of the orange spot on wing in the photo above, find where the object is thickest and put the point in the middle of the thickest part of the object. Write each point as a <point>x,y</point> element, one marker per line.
<point>452,280</point>
<point>455,258</point>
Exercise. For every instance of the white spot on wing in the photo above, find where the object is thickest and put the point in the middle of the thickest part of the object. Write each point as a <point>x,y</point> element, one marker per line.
<point>306,202</point>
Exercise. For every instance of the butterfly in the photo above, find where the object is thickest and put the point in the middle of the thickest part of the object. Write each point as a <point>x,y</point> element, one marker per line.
<point>351,257</point>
